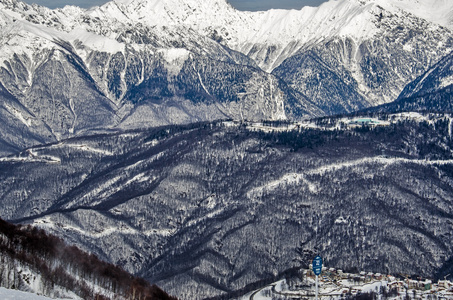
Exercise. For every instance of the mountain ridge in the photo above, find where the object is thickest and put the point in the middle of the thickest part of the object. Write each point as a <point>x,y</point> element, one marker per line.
<point>431,91</point>
<point>116,46</point>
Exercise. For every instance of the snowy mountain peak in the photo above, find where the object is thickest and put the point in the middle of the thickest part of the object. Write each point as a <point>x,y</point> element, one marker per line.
<point>285,31</point>
<point>436,11</point>
<point>239,30</point>
<point>165,12</point>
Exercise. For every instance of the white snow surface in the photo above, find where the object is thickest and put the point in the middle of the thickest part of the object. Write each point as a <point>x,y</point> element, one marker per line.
<point>343,17</point>
<point>287,30</point>
<point>7,294</point>
<point>436,11</point>
<point>446,81</point>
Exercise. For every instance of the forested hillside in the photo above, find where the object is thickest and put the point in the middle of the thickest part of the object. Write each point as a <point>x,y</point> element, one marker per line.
<point>206,209</point>
<point>32,260</point>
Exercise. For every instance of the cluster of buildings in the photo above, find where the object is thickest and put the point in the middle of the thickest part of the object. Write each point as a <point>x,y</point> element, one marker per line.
<point>335,282</point>
<point>367,122</point>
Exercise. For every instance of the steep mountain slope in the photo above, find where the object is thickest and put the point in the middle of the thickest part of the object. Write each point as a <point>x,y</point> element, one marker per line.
<point>17,119</point>
<point>71,73</point>
<point>376,47</point>
<point>208,208</point>
<point>138,63</point>
<point>364,71</point>
<point>333,89</point>
<point>33,261</point>
<point>432,91</point>
<point>435,79</point>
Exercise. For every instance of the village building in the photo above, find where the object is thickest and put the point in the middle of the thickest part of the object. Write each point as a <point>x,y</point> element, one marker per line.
<point>367,122</point>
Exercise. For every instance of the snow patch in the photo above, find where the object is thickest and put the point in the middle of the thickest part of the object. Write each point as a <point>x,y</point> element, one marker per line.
<point>283,182</point>
<point>7,294</point>
<point>27,121</point>
<point>161,232</point>
<point>341,220</point>
<point>446,81</point>
<point>86,148</point>
<point>174,59</point>
<point>408,48</point>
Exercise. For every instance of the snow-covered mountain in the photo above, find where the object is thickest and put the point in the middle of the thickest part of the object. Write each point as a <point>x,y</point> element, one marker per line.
<point>437,78</point>
<point>139,63</point>
<point>375,47</point>
<point>65,72</point>
<point>202,208</point>
<point>431,91</point>
<point>281,29</point>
